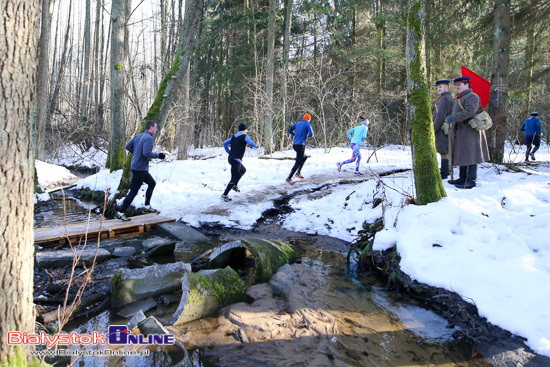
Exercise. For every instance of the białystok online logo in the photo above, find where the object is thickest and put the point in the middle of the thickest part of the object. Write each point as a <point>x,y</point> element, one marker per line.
<point>117,334</point>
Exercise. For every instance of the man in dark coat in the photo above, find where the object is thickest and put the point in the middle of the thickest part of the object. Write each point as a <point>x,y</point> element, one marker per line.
<point>442,110</point>
<point>141,146</point>
<point>469,145</point>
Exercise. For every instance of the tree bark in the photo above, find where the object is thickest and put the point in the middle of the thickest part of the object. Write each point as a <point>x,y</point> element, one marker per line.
<point>43,76</point>
<point>87,53</point>
<point>120,12</point>
<point>270,66</point>
<point>528,68</point>
<point>286,64</point>
<point>185,124</point>
<point>19,20</point>
<point>429,187</point>
<point>499,80</point>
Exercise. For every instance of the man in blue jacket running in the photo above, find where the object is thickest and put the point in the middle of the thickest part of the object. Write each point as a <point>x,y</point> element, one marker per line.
<point>533,132</point>
<point>235,159</point>
<point>141,146</point>
<point>357,135</point>
<point>301,131</point>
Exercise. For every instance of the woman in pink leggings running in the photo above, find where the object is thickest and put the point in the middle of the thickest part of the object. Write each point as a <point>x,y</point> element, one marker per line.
<point>357,135</point>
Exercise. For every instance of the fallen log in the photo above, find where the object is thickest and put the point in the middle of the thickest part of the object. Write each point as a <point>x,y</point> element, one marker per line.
<point>60,312</point>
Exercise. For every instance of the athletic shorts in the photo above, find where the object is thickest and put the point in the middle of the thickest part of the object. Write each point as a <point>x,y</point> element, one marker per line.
<point>532,139</point>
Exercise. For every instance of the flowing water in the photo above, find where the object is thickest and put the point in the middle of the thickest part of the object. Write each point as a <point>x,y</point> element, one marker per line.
<point>316,312</point>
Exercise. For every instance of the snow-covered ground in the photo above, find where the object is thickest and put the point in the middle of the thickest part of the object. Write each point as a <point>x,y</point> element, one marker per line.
<point>490,244</point>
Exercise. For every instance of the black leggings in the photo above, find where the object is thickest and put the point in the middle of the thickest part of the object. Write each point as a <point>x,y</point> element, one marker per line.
<point>300,160</point>
<point>237,171</point>
<point>138,178</point>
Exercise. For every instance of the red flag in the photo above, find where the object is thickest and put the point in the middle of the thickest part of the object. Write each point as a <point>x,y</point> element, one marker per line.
<point>480,86</point>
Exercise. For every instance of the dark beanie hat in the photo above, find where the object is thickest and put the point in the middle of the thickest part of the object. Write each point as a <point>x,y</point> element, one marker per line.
<point>242,127</point>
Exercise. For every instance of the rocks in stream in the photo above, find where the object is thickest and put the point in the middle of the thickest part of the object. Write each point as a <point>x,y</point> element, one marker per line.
<point>207,291</point>
<point>60,258</point>
<point>269,255</point>
<point>131,285</point>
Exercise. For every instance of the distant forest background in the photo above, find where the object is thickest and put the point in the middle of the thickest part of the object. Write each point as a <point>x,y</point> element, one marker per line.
<point>102,66</point>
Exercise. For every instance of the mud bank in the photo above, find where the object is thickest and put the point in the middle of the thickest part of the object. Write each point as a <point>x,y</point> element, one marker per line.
<point>497,346</point>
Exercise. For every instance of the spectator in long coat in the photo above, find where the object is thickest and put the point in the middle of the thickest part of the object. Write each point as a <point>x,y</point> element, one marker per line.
<point>442,109</point>
<point>469,145</point>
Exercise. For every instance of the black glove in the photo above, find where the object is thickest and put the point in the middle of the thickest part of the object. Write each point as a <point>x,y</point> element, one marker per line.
<point>162,155</point>
<point>448,119</point>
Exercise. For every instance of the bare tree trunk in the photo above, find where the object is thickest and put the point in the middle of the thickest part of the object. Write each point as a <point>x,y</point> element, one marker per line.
<point>87,54</point>
<point>102,76</point>
<point>429,187</point>
<point>164,47</point>
<point>528,68</point>
<point>120,12</point>
<point>19,20</point>
<point>96,62</point>
<point>62,64</point>
<point>268,138</point>
<point>286,63</point>
<point>43,77</point>
<point>184,126</point>
<point>499,80</point>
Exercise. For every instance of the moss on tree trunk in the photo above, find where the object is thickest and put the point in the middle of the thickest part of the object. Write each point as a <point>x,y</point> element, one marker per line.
<point>429,187</point>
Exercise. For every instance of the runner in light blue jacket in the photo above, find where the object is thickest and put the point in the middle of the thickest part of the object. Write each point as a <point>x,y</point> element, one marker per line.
<point>357,135</point>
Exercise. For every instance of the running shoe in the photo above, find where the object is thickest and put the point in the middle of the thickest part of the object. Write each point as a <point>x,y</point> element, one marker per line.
<point>299,176</point>
<point>339,166</point>
<point>236,188</point>
<point>357,173</point>
<point>122,217</point>
<point>289,181</point>
<point>149,209</point>
<point>225,198</point>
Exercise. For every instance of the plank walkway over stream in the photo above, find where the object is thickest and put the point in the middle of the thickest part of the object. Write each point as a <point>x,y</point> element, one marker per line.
<point>78,232</point>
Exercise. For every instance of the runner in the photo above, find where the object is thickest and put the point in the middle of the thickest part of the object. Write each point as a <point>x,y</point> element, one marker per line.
<point>236,153</point>
<point>301,131</point>
<point>359,135</point>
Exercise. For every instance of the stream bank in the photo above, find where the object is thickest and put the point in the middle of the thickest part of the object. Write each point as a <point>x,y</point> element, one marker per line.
<point>499,347</point>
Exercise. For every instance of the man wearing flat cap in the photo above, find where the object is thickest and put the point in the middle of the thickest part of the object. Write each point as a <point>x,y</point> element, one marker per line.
<point>533,132</point>
<point>469,145</point>
<point>442,110</point>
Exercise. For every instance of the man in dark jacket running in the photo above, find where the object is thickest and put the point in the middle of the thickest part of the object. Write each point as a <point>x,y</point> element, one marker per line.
<point>141,146</point>
<point>236,154</point>
<point>533,132</point>
<point>301,131</point>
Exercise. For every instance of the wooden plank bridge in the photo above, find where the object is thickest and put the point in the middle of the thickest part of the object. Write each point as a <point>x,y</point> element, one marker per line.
<point>78,232</point>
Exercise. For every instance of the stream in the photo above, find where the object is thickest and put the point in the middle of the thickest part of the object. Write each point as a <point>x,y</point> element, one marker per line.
<point>323,314</point>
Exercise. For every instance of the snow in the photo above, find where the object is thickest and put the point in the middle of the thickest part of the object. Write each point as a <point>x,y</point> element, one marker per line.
<point>490,244</point>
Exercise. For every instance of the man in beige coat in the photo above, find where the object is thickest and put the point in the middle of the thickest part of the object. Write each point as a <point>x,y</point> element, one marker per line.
<point>442,110</point>
<point>469,146</point>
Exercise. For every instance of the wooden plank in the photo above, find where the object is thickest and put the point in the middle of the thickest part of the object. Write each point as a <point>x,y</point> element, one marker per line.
<point>48,237</point>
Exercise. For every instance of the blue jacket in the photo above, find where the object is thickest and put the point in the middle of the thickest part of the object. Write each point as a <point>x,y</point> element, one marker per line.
<point>246,139</point>
<point>301,131</point>
<point>531,126</point>
<point>359,134</point>
<point>141,146</point>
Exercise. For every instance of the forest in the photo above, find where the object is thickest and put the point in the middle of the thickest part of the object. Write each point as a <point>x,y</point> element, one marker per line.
<point>88,75</point>
<point>106,68</point>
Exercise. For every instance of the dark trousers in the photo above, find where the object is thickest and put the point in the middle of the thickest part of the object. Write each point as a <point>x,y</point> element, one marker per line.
<point>300,160</point>
<point>138,178</point>
<point>531,140</point>
<point>237,171</point>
